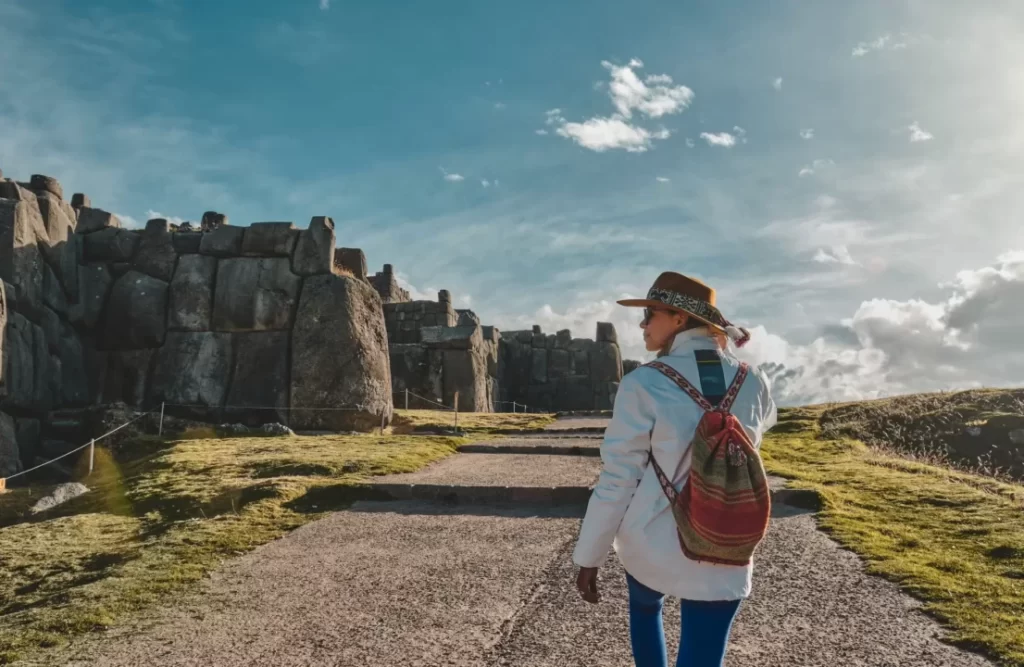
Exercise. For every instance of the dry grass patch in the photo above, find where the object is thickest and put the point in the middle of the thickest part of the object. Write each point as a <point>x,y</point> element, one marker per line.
<point>165,515</point>
<point>411,421</point>
<point>953,539</point>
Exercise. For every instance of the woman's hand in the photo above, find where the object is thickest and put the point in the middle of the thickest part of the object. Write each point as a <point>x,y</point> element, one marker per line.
<point>586,582</point>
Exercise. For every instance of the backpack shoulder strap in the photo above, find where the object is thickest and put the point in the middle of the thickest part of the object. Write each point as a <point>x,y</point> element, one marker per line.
<point>682,383</point>
<point>734,388</point>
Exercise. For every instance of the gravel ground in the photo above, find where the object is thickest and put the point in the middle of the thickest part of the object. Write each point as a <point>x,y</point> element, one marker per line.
<point>520,470</point>
<point>382,584</point>
<point>812,606</point>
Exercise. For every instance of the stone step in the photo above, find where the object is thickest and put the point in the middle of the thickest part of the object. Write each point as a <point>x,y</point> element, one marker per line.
<point>547,446</point>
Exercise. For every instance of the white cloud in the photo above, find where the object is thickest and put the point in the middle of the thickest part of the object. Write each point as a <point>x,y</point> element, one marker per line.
<point>542,133</point>
<point>777,83</point>
<point>654,97</point>
<point>807,133</point>
<point>484,182</point>
<point>415,293</point>
<point>839,254</point>
<point>892,347</point>
<point>601,134</point>
<point>128,222</point>
<point>690,143</point>
<point>325,4</point>
<point>454,178</point>
<point>662,179</point>
<point>719,139</point>
<point>816,166</point>
<point>917,133</point>
<point>629,93</point>
<point>741,134</point>
<point>885,42</point>
<point>499,105</point>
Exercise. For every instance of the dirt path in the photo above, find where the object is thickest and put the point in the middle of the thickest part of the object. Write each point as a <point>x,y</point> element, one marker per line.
<point>415,584</point>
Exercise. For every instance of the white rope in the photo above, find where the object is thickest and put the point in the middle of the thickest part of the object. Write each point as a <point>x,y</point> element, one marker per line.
<point>255,407</point>
<point>77,449</point>
<point>422,398</point>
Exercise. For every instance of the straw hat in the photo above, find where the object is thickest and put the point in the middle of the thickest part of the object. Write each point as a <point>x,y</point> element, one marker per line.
<point>690,296</point>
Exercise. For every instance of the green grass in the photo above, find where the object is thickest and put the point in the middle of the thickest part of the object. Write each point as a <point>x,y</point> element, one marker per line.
<point>953,539</point>
<point>482,423</point>
<point>152,526</point>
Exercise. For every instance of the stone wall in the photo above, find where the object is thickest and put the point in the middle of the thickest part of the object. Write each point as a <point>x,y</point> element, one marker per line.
<point>557,372</point>
<point>436,351</point>
<point>386,285</point>
<point>231,323</point>
<point>405,319</point>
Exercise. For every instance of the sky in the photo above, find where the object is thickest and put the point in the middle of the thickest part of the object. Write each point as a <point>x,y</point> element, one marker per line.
<point>847,176</point>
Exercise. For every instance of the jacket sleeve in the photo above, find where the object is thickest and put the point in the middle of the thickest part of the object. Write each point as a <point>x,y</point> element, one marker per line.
<point>627,440</point>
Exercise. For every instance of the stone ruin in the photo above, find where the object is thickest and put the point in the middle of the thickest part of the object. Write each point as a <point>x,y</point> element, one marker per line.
<point>252,325</point>
<point>556,372</point>
<point>241,324</point>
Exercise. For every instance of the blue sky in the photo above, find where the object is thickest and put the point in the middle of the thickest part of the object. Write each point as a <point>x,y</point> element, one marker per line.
<point>847,175</point>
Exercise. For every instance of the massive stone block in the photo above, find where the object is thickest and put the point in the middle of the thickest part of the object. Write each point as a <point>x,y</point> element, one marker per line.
<point>274,239</point>
<point>314,251</point>
<point>41,183</point>
<point>409,369</point>
<point>558,363</point>
<point>452,338</point>
<point>94,282</point>
<point>223,241</point>
<point>187,242</point>
<point>29,436</point>
<point>575,392</point>
<point>605,363</point>
<point>254,294</point>
<point>10,460</point>
<point>26,366</point>
<point>74,371</point>
<point>352,260</point>
<point>136,315</point>
<point>53,292</point>
<point>127,377</point>
<point>58,219</point>
<point>465,372</point>
<point>94,219</point>
<point>192,369</point>
<point>190,305</point>
<point>22,235</point>
<point>539,366</point>
<point>67,258</point>
<point>260,379</point>
<point>111,245</point>
<point>156,255</point>
<point>340,356</point>
<point>606,333</point>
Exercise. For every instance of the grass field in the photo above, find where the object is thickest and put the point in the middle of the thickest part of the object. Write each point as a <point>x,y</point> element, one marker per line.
<point>163,520</point>
<point>410,421</point>
<point>954,539</point>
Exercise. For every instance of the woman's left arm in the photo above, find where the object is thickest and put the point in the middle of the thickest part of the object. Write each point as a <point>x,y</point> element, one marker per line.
<point>627,441</point>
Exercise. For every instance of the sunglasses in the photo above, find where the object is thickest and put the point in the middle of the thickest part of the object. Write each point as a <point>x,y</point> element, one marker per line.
<point>649,313</point>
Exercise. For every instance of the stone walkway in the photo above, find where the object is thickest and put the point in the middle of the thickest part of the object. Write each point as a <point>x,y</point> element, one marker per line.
<point>470,582</point>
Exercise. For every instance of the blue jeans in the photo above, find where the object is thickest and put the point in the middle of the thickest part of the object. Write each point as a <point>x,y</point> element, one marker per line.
<point>702,637</point>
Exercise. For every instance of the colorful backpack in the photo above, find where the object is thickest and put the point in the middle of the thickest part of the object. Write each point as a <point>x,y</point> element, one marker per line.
<point>722,513</point>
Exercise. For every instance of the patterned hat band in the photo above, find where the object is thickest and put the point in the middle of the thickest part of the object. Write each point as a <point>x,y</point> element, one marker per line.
<point>703,310</point>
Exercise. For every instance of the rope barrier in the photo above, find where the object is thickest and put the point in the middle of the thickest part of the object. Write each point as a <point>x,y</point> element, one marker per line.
<point>423,398</point>
<point>91,443</point>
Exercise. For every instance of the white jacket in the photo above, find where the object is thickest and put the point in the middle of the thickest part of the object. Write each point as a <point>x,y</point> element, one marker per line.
<point>628,509</point>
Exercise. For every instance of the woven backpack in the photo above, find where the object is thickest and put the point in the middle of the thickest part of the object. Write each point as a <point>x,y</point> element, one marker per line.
<point>722,512</point>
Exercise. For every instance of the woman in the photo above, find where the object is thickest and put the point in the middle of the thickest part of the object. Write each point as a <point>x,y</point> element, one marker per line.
<point>629,508</point>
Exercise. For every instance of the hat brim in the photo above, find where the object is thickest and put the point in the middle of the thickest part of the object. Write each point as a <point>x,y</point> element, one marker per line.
<point>645,303</point>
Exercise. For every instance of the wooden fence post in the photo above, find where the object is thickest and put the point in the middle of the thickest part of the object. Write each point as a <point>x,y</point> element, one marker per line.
<point>406,400</point>
<point>161,431</point>
<point>456,411</point>
<point>92,456</point>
